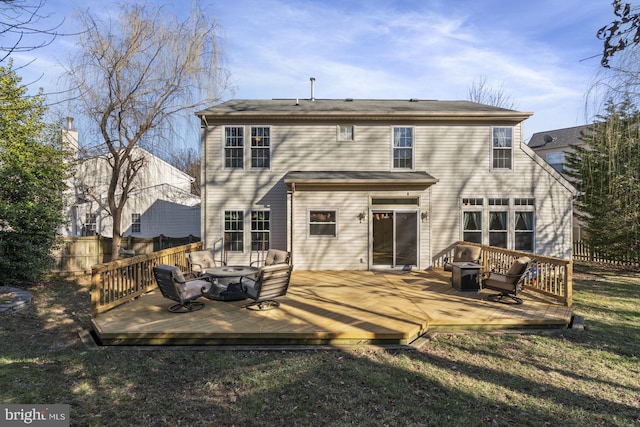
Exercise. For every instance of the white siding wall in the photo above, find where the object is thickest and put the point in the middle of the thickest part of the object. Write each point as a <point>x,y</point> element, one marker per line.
<point>458,155</point>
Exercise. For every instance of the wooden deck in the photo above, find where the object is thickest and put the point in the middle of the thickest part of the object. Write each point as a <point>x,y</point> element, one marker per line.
<point>329,308</point>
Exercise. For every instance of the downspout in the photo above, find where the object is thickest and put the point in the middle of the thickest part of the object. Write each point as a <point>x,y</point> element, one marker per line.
<point>204,129</point>
<point>290,194</point>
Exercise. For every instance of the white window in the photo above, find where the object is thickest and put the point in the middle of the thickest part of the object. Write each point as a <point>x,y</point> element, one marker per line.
<point>498,222</point>
<point>524,225</point>
<point>260,230</point>
<point>502,148</point>
<point>323,223</point>
<point>234,231</point>
<point>345,133</point>
<point>556,161</point>
<point>234,147</point>
<point>260,147</point>
<point>90,224</point>
<point>403,148</point>
<point>136,223</point>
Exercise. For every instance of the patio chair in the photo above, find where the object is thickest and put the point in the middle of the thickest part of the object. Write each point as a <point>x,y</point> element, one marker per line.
<point>174,286</point>
<point>272,281</point>
<point>201,260</point>
<point>463,253</point>
<point>274,256</point>
<point>510,283</point>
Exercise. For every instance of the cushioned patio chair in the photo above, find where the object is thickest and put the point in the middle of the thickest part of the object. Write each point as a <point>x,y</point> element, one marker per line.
<point>174,286</point>
<point>510,283</point>
<point>274,256</point>
<point>272,281</point>
<point>463,253</point>
<point>201,260</point>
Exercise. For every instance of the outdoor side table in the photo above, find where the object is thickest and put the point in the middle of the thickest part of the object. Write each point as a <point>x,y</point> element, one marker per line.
<point>465,276</point>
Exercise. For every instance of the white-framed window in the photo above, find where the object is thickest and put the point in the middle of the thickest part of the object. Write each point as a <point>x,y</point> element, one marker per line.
<point>260,147</point>
<point>502,148</point>
<point>472,219</point>
<point>323,222</point>
<point>498,222</point>
<point>524,224</point>
<point>403,148</point>
<point>234,231</point>
<point>90,224</point>
<point>346,133</point>
<point>556,160</point>
<point>136,223</point>
<point>234,147</point>
<point>260,230</point>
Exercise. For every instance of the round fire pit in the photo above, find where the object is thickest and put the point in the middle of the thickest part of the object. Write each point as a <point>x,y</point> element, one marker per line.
<point>13,299</point>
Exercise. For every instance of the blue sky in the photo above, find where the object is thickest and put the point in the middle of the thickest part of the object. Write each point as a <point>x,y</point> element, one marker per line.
<point>536,51</point>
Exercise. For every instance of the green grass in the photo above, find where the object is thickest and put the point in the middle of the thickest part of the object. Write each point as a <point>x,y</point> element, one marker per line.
<point>534,378</point>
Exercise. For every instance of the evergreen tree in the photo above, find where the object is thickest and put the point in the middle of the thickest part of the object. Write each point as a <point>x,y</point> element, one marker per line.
<point>32,170</point>
<point>606,170</point>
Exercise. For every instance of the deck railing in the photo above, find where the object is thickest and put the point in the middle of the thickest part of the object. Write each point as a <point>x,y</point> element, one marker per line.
<point>552,277</point>
<point>119,281</point>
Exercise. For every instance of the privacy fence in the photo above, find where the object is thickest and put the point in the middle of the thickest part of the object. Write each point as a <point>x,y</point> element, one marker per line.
<point>583,252</point>
<point>79,254</point>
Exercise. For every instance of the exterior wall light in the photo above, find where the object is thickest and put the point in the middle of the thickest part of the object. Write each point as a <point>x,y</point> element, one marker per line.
<point>362,216</point>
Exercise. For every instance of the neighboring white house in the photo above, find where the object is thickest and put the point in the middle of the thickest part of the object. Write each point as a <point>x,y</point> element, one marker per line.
<point>553,146</point>
<point>363,184</point>
<point>160,202</point>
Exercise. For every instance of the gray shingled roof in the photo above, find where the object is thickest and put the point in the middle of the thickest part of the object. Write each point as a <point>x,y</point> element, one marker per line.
<point>359,177</point>
<point>557,138</point>
<point>238,107</point>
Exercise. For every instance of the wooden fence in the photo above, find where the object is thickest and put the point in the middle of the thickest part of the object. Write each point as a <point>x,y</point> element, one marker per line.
<point>583,252</point>
<point>552,277</point>
<point>119,281</point>
<point>79,254</point>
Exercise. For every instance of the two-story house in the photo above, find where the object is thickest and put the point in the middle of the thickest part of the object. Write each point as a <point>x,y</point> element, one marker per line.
<point>553,146</point>
<point>351,184</point>
<point>160,202</point>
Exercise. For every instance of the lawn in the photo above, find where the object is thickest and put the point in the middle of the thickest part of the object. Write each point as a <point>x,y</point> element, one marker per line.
<point>533,378</point>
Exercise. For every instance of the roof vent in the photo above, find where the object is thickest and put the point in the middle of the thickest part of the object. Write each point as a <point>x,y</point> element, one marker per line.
<point>313,81</point>
<point>349,100</point>
<point>414,100</point>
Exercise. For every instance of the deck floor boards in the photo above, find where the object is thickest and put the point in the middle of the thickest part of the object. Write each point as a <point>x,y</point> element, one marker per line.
<point>329,307</point>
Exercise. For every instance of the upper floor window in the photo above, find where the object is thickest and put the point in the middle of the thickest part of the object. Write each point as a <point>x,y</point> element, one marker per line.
<point>556,161</point>
<point>136,223</point>
<point>403,148</point>
<point>345,133</point>
<point>234,147</point>
<point>502,148</point>
<point>260,147</point>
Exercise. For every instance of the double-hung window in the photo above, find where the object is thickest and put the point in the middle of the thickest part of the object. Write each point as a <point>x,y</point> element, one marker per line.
<point>323,223</point>
<point>234,231</point>
<point>556,160</point>
<point>403,148</point>
<point>259,230</point>
<point>90,224</point>
<point>136,223</point>
<point>234,147</point>
<point>502,148</point>
<point>260,147</point>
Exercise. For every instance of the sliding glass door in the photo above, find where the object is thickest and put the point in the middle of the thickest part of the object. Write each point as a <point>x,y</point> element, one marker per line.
<point>395,238</point>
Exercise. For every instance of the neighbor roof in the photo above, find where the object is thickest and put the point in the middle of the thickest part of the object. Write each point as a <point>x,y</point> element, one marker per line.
<point>365,108</point>
<point>557,137</point>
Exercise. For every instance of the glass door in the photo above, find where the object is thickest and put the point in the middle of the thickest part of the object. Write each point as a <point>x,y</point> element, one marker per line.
<point>395,238</point>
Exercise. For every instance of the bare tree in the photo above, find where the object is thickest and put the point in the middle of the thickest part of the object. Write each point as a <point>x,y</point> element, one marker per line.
<point>482,93</point>
<point>188,161</point>
<point>136,77</point>
<point>19,27</point>
<point>622,32</point>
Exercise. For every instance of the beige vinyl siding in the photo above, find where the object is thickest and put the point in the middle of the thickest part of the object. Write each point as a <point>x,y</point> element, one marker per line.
<point>457,154</point>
